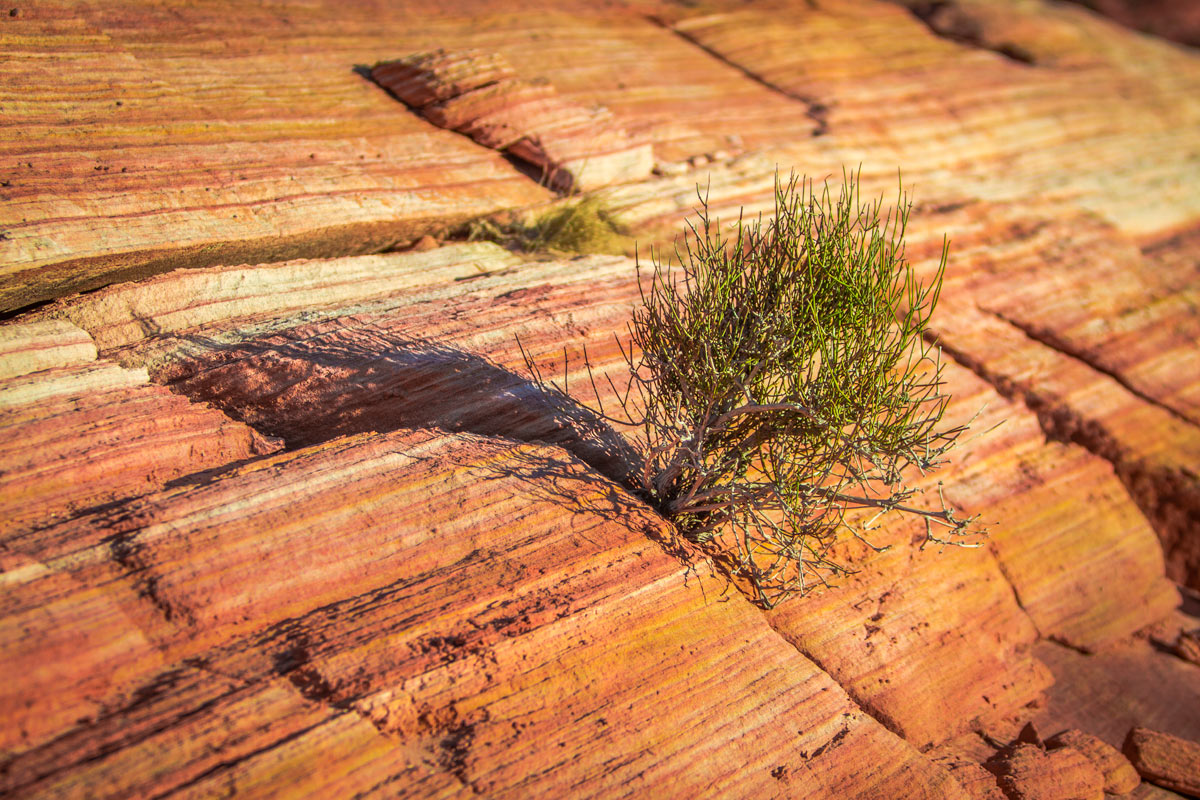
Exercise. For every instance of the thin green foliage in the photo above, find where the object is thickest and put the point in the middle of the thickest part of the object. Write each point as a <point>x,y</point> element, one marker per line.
<point>781,379</point>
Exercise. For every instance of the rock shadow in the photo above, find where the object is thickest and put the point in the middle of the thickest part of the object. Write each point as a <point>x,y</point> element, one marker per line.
<point>566,483</point>
<point>310,389</point>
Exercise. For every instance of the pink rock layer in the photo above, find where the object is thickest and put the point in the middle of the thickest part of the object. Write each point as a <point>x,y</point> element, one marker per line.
<point>418,604</point>
<point>884,634</point>
<point>78,432</point>
<point>479,95</point>
<point>416,613</point>
<point>225,135</point>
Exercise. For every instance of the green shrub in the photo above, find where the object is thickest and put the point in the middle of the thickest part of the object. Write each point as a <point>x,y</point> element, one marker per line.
<point>781,379</point>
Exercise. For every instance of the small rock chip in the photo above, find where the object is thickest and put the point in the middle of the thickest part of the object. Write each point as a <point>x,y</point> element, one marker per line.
<point>426,242</point>
<point>977,782</point>
<point>1188,646</point>
<point>670,169</point>
<point>1119,775</point>
<point>1027,772</point>
<point>1166,760</point>
<point>479,95</point>
<point>1029,735</point>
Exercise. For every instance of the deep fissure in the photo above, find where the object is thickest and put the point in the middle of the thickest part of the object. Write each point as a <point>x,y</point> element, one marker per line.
<point>1168,499</point>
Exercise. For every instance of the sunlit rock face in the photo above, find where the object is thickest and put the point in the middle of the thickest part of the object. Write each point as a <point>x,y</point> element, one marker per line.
<point>283,513</point>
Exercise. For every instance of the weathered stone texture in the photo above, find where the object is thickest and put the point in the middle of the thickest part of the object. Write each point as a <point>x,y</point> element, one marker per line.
<point>432,612</point>
<point>983,123</point>
<point>977,782</point>
<point>366,364</point>
<point>277,148</point>
<point>479,95</point>
<point>1127,685</point>
<point>1165,759</point>
<point>420,596</point>
<point>1027,772</point>
<point>77,431</point>
<point>1119,775</point>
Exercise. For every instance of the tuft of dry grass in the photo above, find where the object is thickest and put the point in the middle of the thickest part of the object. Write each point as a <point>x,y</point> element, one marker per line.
<point>577,226</point>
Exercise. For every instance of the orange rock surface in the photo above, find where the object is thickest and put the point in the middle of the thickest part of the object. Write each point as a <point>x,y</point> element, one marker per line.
<point>501,620</point>
<point>282,513</point>
<point>367,365</point>
<point>1119,775</point>
<point>1164,759</point>
<point>1027,772</point>
<point>480,96</point>
<point>77,431</point>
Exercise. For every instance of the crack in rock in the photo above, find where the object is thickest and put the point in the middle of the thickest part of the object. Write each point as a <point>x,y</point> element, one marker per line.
<point>816,110</point>
<point>1168,497</point>
<point>947,19</point>
<point>1056,343</point>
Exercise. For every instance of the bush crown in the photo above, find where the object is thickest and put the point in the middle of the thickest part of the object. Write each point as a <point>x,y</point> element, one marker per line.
<point>781,378</point>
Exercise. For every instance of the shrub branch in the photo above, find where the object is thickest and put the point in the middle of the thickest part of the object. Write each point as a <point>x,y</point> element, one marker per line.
<point>780,377</point>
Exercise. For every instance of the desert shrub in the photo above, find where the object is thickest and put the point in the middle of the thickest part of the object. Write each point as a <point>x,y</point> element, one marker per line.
<point>781,379</point>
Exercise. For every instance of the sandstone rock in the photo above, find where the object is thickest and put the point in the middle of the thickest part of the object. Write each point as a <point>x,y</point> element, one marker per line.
<point>1148,791</point>
<point>1165,759</point>
<point>77,432</point>
<point>133,145</point>
<point>1134,323</point>
<point>1188,646</point>
<point>441,613</point>
<point>436,77</point>
<point>1078,403</point>
<point>1104,382</point>
<point>134,312</point>
<point>480,96</point>
<point>1120,687</point>
<point>1029,735</point>
<point>1063,122</point>
<point>1176,633</point>
<point>364,363</point>
<point>931,642</point>
<point>1027,772</point>
<point>426,242</point>
<point>194,733</point>
<point>898,635</point>
<point>1135,326</point>
<point>368,369</point>
<point>1119,775</point>
<point>68,643</point>
<point>977,782</point>
<point>1130,317</point>
<point>305,158</point>
<point>1177,21</point>
<point>32,347</point>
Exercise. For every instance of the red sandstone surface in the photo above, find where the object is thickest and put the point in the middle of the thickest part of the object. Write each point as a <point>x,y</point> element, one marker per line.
<point>282,514</point>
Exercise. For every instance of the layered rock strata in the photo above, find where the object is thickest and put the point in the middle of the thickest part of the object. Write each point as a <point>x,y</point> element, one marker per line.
<point>278,148</point>
<point>1164,759</point>
<point>310,629</point>
<point>365,364</point>
<point>322,533</point>
<point>479,95</point>
<point>77,431</point>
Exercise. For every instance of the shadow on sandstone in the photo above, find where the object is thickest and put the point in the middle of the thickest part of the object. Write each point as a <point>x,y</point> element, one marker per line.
<point>563,481</point>
<point>311,389</point>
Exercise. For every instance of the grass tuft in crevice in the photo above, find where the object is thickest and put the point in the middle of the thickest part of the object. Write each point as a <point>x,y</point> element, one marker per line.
<point>574,227</point>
